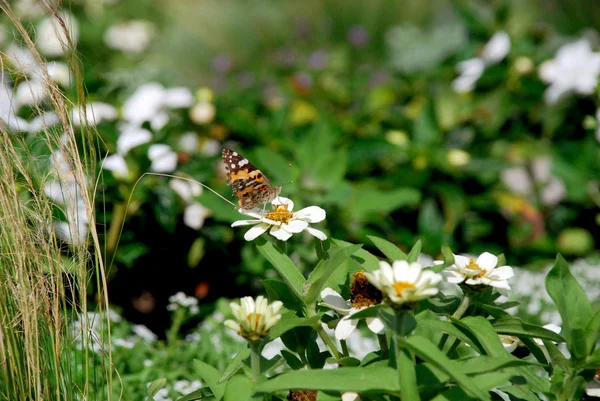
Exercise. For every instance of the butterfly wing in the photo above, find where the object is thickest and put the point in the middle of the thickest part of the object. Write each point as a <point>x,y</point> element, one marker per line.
<point>249,185</point>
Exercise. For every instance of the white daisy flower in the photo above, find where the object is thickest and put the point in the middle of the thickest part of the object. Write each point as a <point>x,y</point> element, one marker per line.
<point>575,68</point>
<point>130,137</point>
<point>483,271</point>
<point>194,213</point>
<point>182,300</point>
<point>132,36</point>
<point>346,325</point>
<point>494,51</point>
<point>282,221</point>
<point>51,36</point>
<point>163,158</point>
<point>144,332</point>
<point>151,101</point>
<point>117,164</point>
<point>95,113</point>
<point>403,282</point>
<point>509,342</point>
<point>254,319</point>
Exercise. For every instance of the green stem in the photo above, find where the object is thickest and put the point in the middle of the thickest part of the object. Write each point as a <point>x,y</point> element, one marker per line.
<point>344,348</point>
<point>453,347</point>
<point>462,308</point>
<point>255,360</point>
<point>328,342</point>
<point>383,345</point>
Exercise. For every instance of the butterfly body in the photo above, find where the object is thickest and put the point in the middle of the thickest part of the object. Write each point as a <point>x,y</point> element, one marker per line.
<point>250,186</point>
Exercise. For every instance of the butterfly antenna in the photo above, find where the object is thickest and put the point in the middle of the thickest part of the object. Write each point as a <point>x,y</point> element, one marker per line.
<point>191,180</point>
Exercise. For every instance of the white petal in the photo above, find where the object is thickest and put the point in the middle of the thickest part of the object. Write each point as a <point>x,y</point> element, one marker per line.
<point>461,261</point>
<point>295,226</point>
<point>194,215</point>
<point>317,233</point>
<point>333,300</point>
<point>497,48</point>
<point>116,164</point>
<point>255,231</point>
<point>280,200</point>
<point>553,327</point>
<point>453,277</point>
<point>350,396</point>
<point>280,233</point>
<point>487,261</point>
<point>400,270</point>
<point>311,214</point>
<point>375,325</point>
<point>130,138</point>
<point>501,273</point>
<point>244,223</point>
<point>345,327</point>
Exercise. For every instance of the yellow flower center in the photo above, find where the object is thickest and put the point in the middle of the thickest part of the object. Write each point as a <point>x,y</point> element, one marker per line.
<point>474,266</point>
<point>400,286</point>
<point>280,214</point>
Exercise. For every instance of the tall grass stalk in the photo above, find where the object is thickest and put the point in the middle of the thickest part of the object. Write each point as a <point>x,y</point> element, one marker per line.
<point>46,333</point>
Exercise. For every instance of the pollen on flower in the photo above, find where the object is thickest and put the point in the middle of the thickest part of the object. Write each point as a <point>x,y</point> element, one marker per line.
<point>253,316</point>
<point>280,214</point>
<point>400,286</point>
<point>364,293</point>
<point>474,266</point>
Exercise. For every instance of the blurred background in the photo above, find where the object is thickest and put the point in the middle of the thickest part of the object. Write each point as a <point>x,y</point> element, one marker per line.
<point>467,123</point>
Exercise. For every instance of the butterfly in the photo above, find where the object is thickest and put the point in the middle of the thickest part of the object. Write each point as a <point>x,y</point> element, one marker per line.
<point>250,186</point>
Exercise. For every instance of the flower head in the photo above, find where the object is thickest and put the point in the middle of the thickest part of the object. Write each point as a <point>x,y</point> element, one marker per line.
<point>575,68</point>
<point>403,282</point>
<point>363,296</point>
<point>181,300</point>
<point>254,318</point>
<point>282,221</point>
<point>481,272</point>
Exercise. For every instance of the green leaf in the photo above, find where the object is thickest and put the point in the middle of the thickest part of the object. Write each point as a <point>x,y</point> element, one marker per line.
<point>448,255</point>
<point>290,321</point>
<point>360,380</point>
<point>591,362</point>
<point>391,251</point>
<point>278,290</point>
<point>441,326</point>
<point>484,364</point>
<point>408,376</point>
<point>368,200</point>
<point>520,393</point>
<point>238,388</point>
<point>516,327</point>
<point>402,323</point>
<point>292,360</point>
<point>572,303</point>
<point>367,261</point>
<point>482,329</point>
<point>427,351</point>
<point>298,338</point>
<point>593,330</point>
<point>324,269</point>
<point>557,357</point>
<point>537,353</point>
<point>210,376</point>
<point>284,266</point>
<point>316,358</point>
<point>155,386</point>
<point>235,364</point>
<point>414,252</point>
<point>197,395</point>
